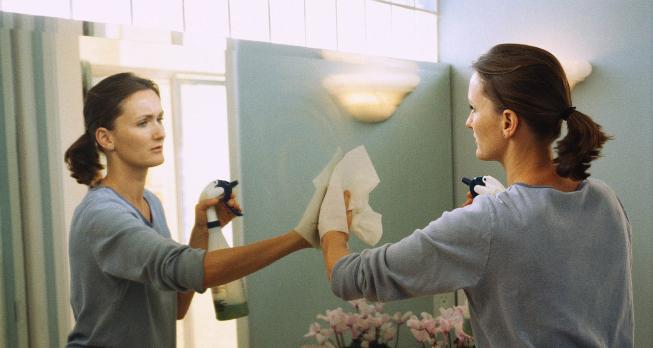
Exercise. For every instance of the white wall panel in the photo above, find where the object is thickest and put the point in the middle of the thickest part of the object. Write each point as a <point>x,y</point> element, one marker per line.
<point>351,25</point>
<point>287,22</point>
<point>402,43</point>
<point>426,36</point>
<point>52,8</point>
<point>207,16</point>
<point>250,20</point>
<point>378,27</point>
<point>102,11</point>
<point>321,24</point>
<point>160,14</point>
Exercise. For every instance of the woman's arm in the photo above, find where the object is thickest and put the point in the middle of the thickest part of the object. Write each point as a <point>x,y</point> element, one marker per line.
<point>226,265</point>
<point>199,238</point>
<point>334,247</point>
<point>334,243</point>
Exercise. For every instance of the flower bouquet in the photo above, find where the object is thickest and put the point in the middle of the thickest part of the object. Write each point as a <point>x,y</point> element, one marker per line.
<point>369,327</point>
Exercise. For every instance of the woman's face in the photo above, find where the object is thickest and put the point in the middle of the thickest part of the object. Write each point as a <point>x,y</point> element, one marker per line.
<point>485,122</point>
<point>138,132</point>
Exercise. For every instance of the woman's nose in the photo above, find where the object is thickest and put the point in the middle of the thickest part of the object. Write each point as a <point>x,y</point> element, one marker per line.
<point>159,132</point>
<point>468,123</point>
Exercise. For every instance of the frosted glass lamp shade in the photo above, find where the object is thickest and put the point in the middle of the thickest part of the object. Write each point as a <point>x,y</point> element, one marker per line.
<point>371,97</point>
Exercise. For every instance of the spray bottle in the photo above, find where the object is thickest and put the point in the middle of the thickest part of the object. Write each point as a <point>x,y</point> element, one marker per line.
<point>228,299</point>
<point>483,185</point>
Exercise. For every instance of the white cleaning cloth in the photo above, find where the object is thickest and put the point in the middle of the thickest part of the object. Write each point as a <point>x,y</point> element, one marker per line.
<point>307,226</point>
<point>355,173</point>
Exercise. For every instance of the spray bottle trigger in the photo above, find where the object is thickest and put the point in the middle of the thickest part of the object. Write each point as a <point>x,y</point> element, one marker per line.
<point>227,187</point>
<point>472,183</point>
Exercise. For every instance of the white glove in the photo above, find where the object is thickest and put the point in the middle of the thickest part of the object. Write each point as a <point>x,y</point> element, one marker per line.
<point>355,173</point>
<point>492,186</point>
<point>307,226</point>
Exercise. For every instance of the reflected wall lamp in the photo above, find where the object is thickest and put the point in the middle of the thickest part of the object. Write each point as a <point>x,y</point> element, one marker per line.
<point>576,71</point>
<point>375,88</point>
<point>371,97</point>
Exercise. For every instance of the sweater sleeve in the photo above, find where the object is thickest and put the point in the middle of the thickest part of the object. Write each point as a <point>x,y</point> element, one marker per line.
<point>450,253</point>
<point>124,247</point>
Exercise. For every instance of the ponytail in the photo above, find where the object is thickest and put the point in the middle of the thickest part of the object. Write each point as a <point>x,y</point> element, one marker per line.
<point>581,145</point>
<point>83,160</point>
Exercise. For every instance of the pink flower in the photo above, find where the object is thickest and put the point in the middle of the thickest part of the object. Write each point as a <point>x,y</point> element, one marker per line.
<point>363,307</point>
<point>451,318</point>
<point>414,323</point>
<point>336,318</point>
<point>444,325</point>
<point>401,318</point>
<point>321,335</point>
<point>369,325</point>
<point>388,332</point>
<point>380,319</point>
<point>313,329</point>
<point>358,324</point>
<point>464,340</point>
<point>358,303</point>
<point>368,336</point>
<point>429,324</point>
<point>421,336</point>
<point>418,329</point>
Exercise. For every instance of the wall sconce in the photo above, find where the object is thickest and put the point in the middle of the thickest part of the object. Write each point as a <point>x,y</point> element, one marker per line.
<point>576,71</point>
<point>371,97</point>
<point>373,93</point>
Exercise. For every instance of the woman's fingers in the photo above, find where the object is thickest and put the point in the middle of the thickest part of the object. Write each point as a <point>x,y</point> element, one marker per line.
<point>200,210</point>
<point>233,202</point>
<point>202,205</point>
<point>469,200</point>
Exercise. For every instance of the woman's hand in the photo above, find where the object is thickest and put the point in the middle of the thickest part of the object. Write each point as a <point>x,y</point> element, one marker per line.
<point>199,237</point>
<point>224,213</point>
<point>469,200</point>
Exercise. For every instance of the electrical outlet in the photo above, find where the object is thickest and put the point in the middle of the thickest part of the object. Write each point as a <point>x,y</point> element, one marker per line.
<point>445,300</point>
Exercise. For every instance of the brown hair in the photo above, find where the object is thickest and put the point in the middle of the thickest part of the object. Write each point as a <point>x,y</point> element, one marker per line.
<point>531,82</point>
<point>102,105</point>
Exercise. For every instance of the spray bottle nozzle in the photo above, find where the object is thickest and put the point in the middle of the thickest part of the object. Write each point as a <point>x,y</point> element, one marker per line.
<point>472,183</point>
<point>219,189</point>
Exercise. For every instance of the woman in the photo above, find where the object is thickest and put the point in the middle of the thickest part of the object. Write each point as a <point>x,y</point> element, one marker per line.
<point>545,263</point>
<point>129,279</point>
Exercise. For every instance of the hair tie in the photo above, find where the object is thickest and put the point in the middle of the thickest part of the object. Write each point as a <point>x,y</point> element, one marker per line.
<point>567,112</point>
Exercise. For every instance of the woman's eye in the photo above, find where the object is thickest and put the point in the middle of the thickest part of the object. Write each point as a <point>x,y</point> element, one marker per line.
<point>141,123</point>
<point>160,119</point>
<point>471,108</point>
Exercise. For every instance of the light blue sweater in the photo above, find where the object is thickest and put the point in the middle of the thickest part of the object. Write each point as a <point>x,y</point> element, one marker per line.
<point>540,267</point>
<point>125,273</point>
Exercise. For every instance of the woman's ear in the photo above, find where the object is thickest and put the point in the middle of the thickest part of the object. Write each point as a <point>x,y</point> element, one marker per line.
<point>104,139</point>
<point>509,123</point>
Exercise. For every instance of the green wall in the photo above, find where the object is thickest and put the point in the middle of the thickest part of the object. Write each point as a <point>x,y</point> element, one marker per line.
<point>287,127</point>
<point>617,38</point>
